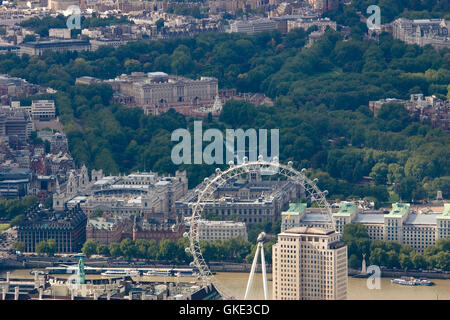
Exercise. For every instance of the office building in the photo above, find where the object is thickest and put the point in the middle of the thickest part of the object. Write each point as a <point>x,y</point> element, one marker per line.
<point>39,109</point>
<point>17,87</point>
<point>220,230</point>
<point>38,48</point>
<point>159,89</point>
<point>61,5</point>
<point>293,216</point>
<point>15,122</point>
<point>67,227</point>
<point>115,228</point>
<point>5,48</point>
<point>413,227</point>
<point>59,33</point>
<point>43,109</point>
<point>427,109</point>
<point>139,194</point>
<point>324,5</point>
<point>253,26</point>
<point>422,32</point>
<point>309,263</point>
<point>251,200</point>
<point>106,230</point>
<point>115,43</point>
<point>14,182</point>
<point>307,22</point>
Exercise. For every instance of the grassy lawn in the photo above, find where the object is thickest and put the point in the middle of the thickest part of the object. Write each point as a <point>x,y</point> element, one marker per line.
<point>3,227</point>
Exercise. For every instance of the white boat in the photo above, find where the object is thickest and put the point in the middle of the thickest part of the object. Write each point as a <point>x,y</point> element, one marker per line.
<point>159,272</point>
<point>121,273</point>
<point>184,272</point>
<point>411,281</point>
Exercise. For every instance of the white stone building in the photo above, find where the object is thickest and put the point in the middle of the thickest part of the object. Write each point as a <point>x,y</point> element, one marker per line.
<point>159,89</point>
<point>309,264</point>
<point>138,194</point>
<point>415,228</point>
<point>221,230</point>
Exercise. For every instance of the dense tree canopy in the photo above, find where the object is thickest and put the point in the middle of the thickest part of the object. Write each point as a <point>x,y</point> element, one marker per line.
<point>9,209</point>
<point>320,97</point>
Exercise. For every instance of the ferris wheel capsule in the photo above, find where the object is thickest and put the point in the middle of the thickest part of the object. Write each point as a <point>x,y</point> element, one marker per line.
<point>260,158</point>
<point>192,264</point>
<point>316,180</point>
<point>290,164</point>
<point>186,235</point>
<point>245,159</point>
<point>218,170</point>
<point>231,163</point>
<point>303,170</point>
<point>187,250</point>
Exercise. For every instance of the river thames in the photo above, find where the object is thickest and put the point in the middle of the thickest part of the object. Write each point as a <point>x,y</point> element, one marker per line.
<point>236,283</point>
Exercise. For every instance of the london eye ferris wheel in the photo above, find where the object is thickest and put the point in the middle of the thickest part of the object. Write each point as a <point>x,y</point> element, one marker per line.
<point>205,194</point>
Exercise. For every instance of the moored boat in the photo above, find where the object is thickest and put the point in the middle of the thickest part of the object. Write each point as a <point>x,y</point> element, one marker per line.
<point>411,281</point>
<point>121,272</point>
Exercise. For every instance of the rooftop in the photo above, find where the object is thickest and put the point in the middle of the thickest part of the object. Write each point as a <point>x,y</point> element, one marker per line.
<point>51,43</point>
<point>295,209</point>
<point>346,209</point>
<point>369,218</point>
<point>101,223</point>
<point>421,219</point>
<point>315,217</point>
<point>446,213</point>
<point>398,210</point>
<point>221,223</point>
<point>308,230</point>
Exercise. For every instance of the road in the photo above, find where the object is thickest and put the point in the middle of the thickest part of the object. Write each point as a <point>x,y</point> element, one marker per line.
<point>7,238</point>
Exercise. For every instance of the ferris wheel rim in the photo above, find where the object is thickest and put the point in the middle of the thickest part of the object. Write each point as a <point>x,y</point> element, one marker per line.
<point>298,177</point>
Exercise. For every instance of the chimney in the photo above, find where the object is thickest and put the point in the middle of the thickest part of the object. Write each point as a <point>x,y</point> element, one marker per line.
<point>4,293</point>
<point>40,293</point>
<point>108,295</point>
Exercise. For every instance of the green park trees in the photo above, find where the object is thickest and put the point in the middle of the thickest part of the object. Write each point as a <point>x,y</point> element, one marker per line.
<point>19,246</point>
<point>46,247</point>
<point>237,113</point>
<point>89,248</point>
<point>320,99</point>
<point>235,249</point>
<point>9,209</point>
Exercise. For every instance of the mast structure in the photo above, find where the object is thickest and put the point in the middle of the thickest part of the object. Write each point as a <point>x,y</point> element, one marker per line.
<point>259,248</point>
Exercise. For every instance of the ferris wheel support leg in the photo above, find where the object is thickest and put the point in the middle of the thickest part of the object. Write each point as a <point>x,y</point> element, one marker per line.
<point>252,273</point>
<point>263,267</point>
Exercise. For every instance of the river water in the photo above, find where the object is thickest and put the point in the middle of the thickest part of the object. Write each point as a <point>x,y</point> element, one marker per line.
<point>235,284</point>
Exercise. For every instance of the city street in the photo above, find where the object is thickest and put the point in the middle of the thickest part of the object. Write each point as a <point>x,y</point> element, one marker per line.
<point>7,238</point>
